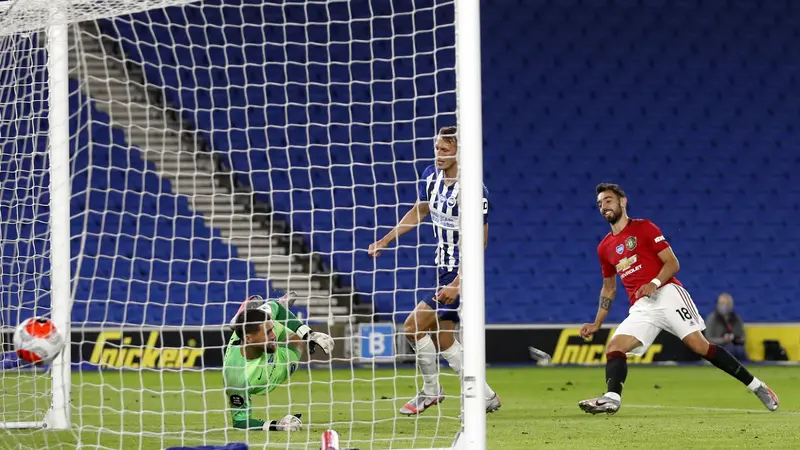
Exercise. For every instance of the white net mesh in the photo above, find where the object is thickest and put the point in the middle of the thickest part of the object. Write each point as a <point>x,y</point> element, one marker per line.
<point>24,266</point>
<point>222,149</point>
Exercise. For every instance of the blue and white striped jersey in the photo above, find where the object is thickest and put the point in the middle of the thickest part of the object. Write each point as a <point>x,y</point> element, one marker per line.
<point>443,201</point>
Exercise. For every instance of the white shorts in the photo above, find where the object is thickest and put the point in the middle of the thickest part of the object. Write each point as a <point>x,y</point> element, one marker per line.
<point>670,308</point>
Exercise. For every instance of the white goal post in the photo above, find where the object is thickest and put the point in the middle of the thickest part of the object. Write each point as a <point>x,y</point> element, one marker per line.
<point>135,211</point>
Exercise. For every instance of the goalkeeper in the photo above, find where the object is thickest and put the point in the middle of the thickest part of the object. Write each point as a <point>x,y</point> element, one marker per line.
<point>265,349</point>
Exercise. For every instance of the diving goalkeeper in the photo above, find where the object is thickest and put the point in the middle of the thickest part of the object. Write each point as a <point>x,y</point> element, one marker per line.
<point>265,349</point>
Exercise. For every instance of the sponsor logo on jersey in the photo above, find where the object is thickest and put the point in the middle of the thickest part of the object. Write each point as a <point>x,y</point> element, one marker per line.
<point>620,249</point>
<point>443,220</point>
<point>630,243</point>
<point>659,239</point>
<point>237,401</point>
<point>625,263</point>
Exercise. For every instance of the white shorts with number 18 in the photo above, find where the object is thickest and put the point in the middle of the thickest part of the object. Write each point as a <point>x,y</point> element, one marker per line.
<point>670,308</point>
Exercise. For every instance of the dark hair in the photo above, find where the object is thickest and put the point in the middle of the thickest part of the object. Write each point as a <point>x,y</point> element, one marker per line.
<point>249,321</point>
<point>602,187</point>
<point>449,134</point>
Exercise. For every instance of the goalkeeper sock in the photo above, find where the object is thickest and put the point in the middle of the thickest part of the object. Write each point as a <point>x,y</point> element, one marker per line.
<point>723,360</point>
<point>453,357</point>
<point>427,361</point>
<point>616,373</point>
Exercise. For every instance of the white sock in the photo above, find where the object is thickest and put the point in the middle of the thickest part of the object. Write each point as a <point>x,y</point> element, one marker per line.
<point>613,396</point>
<point>453,357</point>
<point>755,384</point>
<point>427,361</point>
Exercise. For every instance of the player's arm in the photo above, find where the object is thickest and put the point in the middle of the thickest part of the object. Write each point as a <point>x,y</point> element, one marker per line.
<point>655,242</point>
<point>285,317</point>
<point>607,294</point>
<point>671,265</point>
<point>278,312</point>
<point>410,220</point>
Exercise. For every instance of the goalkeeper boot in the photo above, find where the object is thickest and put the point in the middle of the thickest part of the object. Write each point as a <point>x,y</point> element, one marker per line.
<point>767,397</point>
<point>421,402</point>
<point>600,405</point>
<point>288,299</point>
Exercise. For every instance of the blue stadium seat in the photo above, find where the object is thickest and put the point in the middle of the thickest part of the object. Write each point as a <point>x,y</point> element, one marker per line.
<point>135,245</point>
<point>701,138</point>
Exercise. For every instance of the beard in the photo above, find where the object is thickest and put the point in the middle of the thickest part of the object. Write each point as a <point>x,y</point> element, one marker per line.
<point>614,217</point>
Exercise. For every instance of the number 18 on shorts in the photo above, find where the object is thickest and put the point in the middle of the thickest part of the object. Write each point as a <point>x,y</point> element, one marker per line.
<point>670,309</point>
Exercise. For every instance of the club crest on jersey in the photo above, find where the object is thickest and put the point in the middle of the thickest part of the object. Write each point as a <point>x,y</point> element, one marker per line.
<point>451,202</point>
<point>630,243</point>
<point>620,249</point>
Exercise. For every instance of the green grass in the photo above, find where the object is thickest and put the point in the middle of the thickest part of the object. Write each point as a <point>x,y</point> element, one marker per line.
<point>664,407</point>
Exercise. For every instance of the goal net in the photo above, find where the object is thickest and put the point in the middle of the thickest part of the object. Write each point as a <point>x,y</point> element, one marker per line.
<point>217,150</point>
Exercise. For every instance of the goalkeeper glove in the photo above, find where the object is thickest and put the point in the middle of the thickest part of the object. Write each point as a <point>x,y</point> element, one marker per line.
<point>288,423</point>
<point>323,340</point>
<point>316,338</point>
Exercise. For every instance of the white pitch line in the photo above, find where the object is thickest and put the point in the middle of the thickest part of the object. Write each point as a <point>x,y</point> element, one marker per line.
<point>704,408</point>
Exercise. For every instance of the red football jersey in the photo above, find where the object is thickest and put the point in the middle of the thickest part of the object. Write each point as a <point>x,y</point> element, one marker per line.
<point>633,254</point>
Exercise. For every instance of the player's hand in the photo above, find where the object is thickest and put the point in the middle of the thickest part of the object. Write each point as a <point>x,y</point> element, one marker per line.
<point>588,330</point>
<point>288,423</point>
<point>447,294</point>
<point>323,340</point>
<point>376,248</point>
<point>645,291</point>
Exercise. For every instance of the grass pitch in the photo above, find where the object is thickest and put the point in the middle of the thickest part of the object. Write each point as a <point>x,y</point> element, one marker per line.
<point>663,407</point>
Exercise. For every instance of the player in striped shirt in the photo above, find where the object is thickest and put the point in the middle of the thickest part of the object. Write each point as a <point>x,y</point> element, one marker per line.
<point>433,322</point>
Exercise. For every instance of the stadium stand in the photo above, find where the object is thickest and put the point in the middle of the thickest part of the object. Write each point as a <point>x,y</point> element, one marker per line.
<point>299,158</point>
<point>690,108</point>
<point>141,256</point>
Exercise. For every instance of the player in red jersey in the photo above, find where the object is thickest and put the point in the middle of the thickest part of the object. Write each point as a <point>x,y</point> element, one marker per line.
<point>637,251</point>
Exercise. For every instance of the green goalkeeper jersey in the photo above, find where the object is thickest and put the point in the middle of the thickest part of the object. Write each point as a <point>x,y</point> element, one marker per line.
<point>244,378</point>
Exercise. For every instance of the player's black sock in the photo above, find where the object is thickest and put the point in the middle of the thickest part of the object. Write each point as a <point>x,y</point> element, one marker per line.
<point>616,371</point>
<point>723,360</point>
